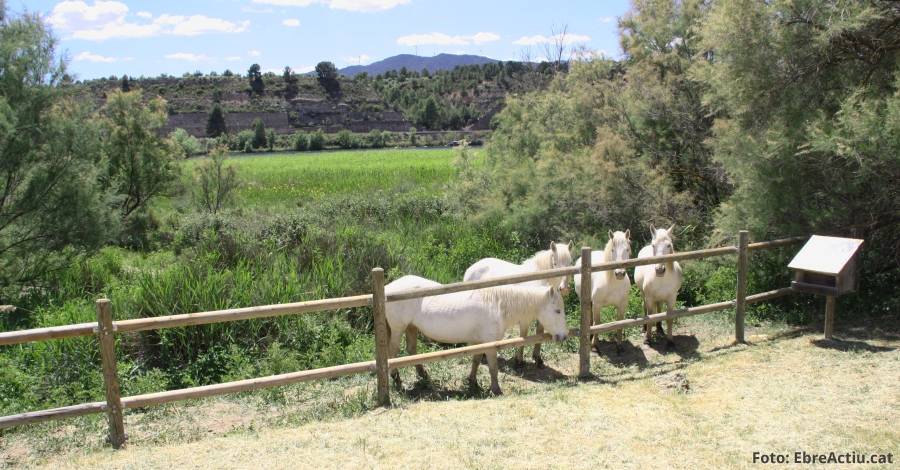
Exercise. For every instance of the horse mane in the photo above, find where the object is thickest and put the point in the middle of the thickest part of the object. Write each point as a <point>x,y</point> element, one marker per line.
<point>608,251</point>
<point>522,300</point>
<point>542,260</point>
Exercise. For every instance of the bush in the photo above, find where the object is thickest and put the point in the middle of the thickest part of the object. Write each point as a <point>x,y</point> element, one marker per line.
<point>346,140</point>
<point>244,138</point>
<point>270,139</point>
<point>316,140</point>
<point>300,141</point>
<point>186,143</point>
<point>259,134</point>
<point>214,183</point>
<point>376,139</point>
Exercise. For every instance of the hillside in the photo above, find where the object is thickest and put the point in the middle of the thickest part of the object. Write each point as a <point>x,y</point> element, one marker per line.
<point>464,98</point>
<point>677,410</point>
<point>417,63</point>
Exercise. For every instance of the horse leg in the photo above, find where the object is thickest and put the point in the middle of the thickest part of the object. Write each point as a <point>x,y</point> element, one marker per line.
<point>648,328</point>
<point>536,351</point>
<point>492,366</point>
<point>473,375</point>
<point>670,306</point>
<point>519,358</point>
<point>659,327</point>
<point>412,336</point>
<point>393,349</point>
<point>620,335</point>
<point>595,320</point>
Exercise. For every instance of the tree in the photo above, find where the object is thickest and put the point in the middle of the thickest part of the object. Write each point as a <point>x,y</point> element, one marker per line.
<point>290,83</point>
<point>141,165</point>
<point>255,77</point>
<point>259,134</point>
<point>430,115</point>
<point>808,95</point>
<point>52,206</point>
<point>215,123</point>
<point>214,182</point>
<point>126,84</point>
<point>327,76</point>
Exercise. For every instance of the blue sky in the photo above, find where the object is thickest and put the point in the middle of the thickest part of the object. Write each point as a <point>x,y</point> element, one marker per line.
<point>140,37</point>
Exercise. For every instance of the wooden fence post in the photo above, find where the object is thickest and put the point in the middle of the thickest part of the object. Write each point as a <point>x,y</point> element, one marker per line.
<point>381,338</point>
<point>584,345</point>
<point>107,339</point>
<point>829,315</point>
<point>740,304</point>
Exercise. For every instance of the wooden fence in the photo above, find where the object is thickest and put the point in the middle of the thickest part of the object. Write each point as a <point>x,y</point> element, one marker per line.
<point>106,329</point>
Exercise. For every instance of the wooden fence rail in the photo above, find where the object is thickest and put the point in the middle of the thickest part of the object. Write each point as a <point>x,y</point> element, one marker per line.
<point>105,330</point>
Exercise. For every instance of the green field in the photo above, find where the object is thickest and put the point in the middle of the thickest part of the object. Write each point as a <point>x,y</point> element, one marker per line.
<point>286,179</point>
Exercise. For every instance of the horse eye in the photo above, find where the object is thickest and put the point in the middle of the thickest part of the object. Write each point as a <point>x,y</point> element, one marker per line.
<point>558,311</point>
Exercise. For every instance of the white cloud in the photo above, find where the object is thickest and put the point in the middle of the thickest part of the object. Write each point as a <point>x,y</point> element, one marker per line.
<point>254,53</point>
<point>198,24</point>
<point>441,39</point>
<point>109,19</point>
<point>187,56</point>
<point>569,39</point>
<point>347,5</point>
<point>78,14</point>
<point>358,59</point>
<point>607,19</point>
<point>365,5</point>
<point>91,57</point>
<point>291,22</point>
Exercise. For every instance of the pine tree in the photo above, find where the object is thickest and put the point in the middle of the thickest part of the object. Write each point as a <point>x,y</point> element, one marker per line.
<point>215,124</point>
<point>256,81</point>
<point>259,134</point>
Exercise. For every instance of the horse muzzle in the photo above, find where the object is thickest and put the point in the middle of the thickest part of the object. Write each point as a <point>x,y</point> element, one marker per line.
<point>620,274</point>
<point>660,269</point>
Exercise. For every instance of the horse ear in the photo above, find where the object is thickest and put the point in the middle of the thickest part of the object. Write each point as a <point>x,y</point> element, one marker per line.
<point>610,234</point>
<point>553,247</point>
<point>628,234</point>
<point>652,231</point>
<point>671,229</point>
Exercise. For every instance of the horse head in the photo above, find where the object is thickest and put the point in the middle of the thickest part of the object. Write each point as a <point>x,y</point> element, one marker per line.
<point>552,315</point>
<point>619,249</point>
<point>561,257</point>
<point>662,245</point>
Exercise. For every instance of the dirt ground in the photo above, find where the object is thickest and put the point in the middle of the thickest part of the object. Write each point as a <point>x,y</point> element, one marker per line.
<point>704,404</point>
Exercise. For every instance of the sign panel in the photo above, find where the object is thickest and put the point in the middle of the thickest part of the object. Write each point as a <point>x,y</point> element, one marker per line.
<point>825,255</point>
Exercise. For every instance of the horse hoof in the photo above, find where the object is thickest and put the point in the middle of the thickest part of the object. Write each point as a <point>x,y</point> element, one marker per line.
<point>496,391</point>
<point>539,363</point>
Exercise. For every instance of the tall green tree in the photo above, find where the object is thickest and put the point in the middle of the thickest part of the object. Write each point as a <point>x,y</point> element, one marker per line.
<point>291,87</point>
<point>259,134</point>
<point>254,75</point>
<point>327,75</point>
<point>215,123</point>
<point>141,164</point>
<point>51,204</point>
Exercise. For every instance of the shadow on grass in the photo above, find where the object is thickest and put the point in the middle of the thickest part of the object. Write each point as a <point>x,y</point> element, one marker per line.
<point>621,356</point>
<point>685,346</point>
<point>530,371</point>
<point>849,345</point>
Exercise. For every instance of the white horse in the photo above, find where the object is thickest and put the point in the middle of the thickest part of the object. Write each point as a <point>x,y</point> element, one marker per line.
<point>609,287</point>
<point>559,255</point>
<point>471,317</point>
<point>659,283</point>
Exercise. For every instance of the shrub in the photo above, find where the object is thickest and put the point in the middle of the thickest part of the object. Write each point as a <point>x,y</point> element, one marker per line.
<point>300,141</point>
<point>316,140</point>
<point>259,134</point>
<point>214,183</point>
<point>346,140</point>
<point>376,139</point>
<point>186,143</point>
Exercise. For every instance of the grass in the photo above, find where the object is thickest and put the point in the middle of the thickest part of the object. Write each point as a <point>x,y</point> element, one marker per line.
<point>291,179</point>
<point>707,404</point>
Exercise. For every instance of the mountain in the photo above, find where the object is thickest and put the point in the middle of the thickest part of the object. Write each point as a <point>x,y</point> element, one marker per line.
<point>416,63</point>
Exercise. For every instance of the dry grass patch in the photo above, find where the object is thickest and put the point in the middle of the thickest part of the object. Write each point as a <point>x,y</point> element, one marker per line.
<point>706,405</point>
